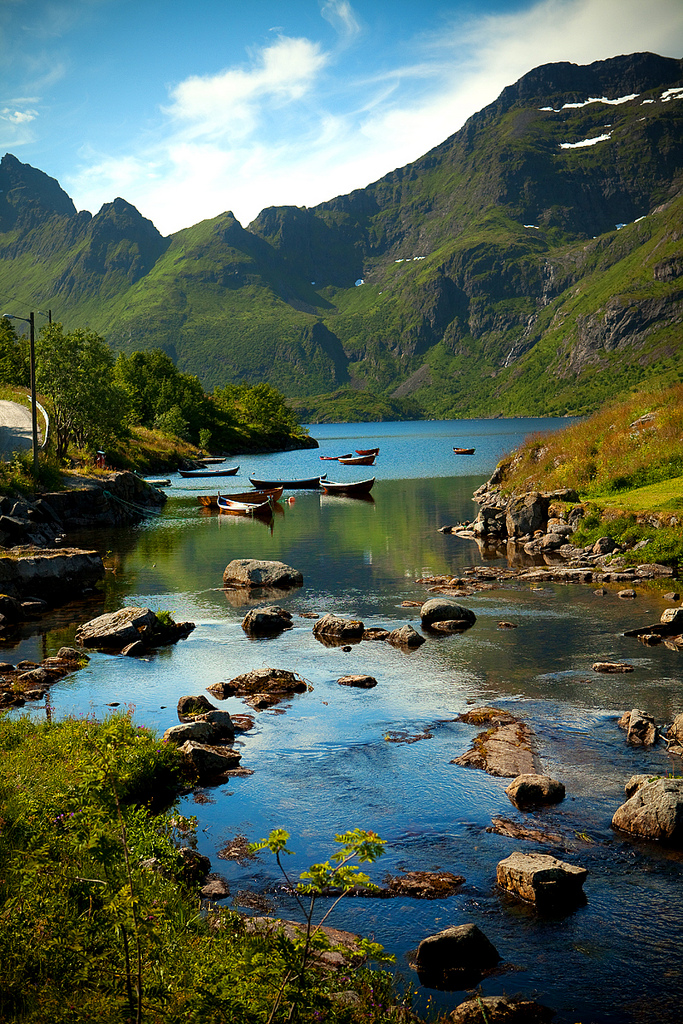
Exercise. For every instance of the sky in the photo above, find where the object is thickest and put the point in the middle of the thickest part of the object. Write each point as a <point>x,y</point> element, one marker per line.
<point>189,109</point>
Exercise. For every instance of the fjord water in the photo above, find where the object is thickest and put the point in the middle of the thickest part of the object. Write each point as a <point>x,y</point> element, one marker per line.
<point>337,758</point>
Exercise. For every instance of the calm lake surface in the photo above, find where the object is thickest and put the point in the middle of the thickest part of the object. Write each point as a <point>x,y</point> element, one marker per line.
<point>327,760</point>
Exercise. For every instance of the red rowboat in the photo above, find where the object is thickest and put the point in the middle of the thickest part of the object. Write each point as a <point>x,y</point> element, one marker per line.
<point>366,451</point>
<point>359,460</point>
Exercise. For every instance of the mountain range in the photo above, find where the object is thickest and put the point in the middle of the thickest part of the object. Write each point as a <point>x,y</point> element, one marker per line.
<point>531,264</point>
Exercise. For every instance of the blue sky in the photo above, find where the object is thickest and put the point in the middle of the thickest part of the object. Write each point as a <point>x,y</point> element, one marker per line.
<point>190,109</point>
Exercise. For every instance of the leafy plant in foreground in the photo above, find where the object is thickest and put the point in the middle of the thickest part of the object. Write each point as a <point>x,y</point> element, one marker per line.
<point>340,876</point>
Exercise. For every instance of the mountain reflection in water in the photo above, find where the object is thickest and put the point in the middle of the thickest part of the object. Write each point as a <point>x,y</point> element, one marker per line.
<point>325,762</point>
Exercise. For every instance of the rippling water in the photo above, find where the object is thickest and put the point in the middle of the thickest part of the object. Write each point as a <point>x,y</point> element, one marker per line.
<point>322,762</point>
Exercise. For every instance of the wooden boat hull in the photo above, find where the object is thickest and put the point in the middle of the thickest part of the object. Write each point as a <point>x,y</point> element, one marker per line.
<point>312,483</point>
<point>334,458</point>
<point>349,489</point>
<point>464,451</point>
<point>255,497</point>
<point>192,473</point>
<point>367,451</point>
<point>244,508</point>
<point>359,460</point>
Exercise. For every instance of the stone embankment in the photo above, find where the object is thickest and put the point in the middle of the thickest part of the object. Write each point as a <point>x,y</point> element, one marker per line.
<point>43,520</point>
<point>38,571</point>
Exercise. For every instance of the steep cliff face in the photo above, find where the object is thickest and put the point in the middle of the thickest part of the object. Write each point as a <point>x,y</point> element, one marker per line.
<point>530,263</point>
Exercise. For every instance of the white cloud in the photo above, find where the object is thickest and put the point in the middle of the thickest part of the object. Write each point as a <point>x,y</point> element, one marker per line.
<point>342,18</point>
<point>18,116</point>
<point>281,130</point>
<point>232,100</point>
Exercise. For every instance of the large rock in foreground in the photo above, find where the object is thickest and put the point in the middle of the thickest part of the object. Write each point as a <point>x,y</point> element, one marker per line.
<point>655,811</point>
<point>116,630</point>
<point>455,958</point>
<point>254,572</point>
<point>541,879</point>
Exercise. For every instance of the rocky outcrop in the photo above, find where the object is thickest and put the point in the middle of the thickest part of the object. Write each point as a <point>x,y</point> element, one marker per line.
<point>30,681</point>
<point>455,958</point>
<point>43,520</point>
<point>540,879</point>
<point>116,630</point>
<point>57,575</point>
<point>253,572</point>
<point>504,749</point>
<point>674,736</point>
<point>653,811</point>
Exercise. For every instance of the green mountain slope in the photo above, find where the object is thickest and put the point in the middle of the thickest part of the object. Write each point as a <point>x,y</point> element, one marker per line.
<point>530,264</point>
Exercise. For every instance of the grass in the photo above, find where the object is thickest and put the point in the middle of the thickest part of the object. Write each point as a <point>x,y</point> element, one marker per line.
<point>626,463</point>
<point>100,918</point>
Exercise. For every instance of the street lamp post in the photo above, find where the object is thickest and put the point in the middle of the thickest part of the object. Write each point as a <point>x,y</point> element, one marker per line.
<point>34,409</point>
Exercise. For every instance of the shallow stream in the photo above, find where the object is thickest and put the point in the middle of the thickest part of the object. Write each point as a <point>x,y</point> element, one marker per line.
<point>335,758</point>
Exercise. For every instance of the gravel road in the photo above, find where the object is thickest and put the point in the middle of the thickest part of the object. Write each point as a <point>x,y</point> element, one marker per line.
<point>15,428</point>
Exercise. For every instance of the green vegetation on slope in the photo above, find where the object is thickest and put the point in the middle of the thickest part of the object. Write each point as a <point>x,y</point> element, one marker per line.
<point>100,913</point>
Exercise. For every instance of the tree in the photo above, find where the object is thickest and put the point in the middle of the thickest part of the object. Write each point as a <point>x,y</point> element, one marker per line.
<point>161,396</point>
<point>14,365</point>
<point>76,372</point>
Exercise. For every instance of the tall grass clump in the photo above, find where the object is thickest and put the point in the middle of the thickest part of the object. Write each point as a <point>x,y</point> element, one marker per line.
<point>627,444</point>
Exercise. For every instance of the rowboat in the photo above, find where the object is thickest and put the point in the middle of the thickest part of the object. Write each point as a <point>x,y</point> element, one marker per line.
<point>359,460</point>
<point>354,487</point>
<point>464,451</point>
<point>254,497</point>
<point>366,451</point>
<point>244,508</point>
<point>191,473</point>
<point>333,458</point>
<point>309,484</point>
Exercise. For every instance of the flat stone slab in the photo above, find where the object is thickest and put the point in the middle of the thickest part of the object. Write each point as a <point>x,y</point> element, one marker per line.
<point>541,879</point>
<point>504,749</point>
